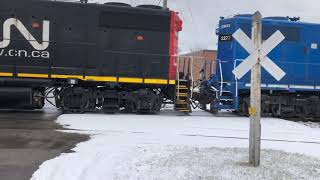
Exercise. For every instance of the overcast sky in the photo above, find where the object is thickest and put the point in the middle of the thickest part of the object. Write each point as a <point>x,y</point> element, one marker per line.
<point>201,16</point>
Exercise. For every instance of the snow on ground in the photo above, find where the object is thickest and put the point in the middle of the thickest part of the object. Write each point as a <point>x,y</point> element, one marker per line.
<point>172,146</point>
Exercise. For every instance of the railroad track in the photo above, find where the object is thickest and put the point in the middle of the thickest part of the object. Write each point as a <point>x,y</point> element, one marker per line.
<point>244,138</point>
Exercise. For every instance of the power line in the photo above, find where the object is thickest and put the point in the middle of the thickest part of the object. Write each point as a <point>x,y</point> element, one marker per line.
<point>193,21</point>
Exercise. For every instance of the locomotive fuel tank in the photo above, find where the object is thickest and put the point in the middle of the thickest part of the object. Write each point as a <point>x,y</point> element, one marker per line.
<point>21,98</point>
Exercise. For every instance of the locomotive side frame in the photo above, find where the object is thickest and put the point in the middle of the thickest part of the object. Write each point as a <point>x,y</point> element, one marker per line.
<point>127,65</point>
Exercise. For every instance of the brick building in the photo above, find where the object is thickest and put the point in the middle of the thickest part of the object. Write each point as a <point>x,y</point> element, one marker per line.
<point>203,59</point>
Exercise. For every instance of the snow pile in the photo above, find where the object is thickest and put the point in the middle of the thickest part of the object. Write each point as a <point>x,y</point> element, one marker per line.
<point>168,146</point>
<point>214,163</point>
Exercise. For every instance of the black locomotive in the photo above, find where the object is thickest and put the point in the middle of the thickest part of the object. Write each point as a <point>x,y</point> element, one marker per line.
<point>89,56</point>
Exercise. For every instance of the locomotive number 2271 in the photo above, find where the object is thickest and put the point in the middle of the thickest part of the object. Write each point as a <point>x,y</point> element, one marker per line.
<point>225,38</point>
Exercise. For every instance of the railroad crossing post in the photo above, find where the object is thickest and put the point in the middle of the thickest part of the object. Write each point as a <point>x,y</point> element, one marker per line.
<point>255,96</point>
<point>257,57</point>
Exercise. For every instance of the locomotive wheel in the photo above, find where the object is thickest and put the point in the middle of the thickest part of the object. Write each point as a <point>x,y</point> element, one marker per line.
<point>244,106</point>
<point>143,102</point>
<point>304,112</point>
<point>130,106</point>
<point>214,111</point>
<point>203,107</point>
<point>309,110</point>
<point>240,108</point>
<point>264,109</point>
<point>275,110</point>
<point>317,110</point>
<point>74,100</point>
<point>92,105</point>
<point>157,105</point>
<point>300,111</point>
<point>265,105</point>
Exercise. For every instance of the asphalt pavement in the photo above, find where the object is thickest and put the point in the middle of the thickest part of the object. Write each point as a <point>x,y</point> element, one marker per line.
<point>28,138</point>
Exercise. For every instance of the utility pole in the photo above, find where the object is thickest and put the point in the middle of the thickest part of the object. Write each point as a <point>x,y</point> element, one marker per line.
<point>255,96</point>
<point>165,4</point>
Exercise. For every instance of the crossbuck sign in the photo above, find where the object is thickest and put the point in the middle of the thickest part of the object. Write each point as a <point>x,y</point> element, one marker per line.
<point>258,54</point>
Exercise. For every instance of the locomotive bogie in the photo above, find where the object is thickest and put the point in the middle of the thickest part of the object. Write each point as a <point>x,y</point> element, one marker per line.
<point>79,99</point>
<point>286,105</point>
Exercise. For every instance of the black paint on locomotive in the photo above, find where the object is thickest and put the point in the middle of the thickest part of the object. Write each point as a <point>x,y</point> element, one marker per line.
<point>87,40</point>
<point>90,39</point>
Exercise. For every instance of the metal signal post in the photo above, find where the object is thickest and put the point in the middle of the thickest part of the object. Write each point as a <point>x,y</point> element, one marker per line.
<point>255,97</point>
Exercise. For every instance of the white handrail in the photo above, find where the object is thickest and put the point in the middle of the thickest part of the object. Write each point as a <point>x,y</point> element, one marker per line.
<point>221,76</point>
<point>177,60</point>
<point>191,73</point>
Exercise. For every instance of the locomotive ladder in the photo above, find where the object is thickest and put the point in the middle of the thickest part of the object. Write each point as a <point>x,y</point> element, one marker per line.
<point>183,95</point>
<point>183,87</point>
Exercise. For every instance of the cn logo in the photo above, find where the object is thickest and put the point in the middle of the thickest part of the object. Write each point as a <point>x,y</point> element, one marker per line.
<point>26,34</point>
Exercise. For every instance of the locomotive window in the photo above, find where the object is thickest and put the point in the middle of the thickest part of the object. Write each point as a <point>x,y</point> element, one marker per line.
<point>290,33</point>
<point>125,20</point>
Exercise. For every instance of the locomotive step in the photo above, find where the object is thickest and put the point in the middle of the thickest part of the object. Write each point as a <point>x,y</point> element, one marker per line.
<point>183,80</point>
<point>225,91</point>
<point>226,98</point>
<point>182,103</point>
<point>182,88</point>
<point>183,110</point>
<point>182,94</point>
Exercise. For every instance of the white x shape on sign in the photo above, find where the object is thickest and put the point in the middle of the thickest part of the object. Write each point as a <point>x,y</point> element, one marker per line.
<point>258,52</point>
